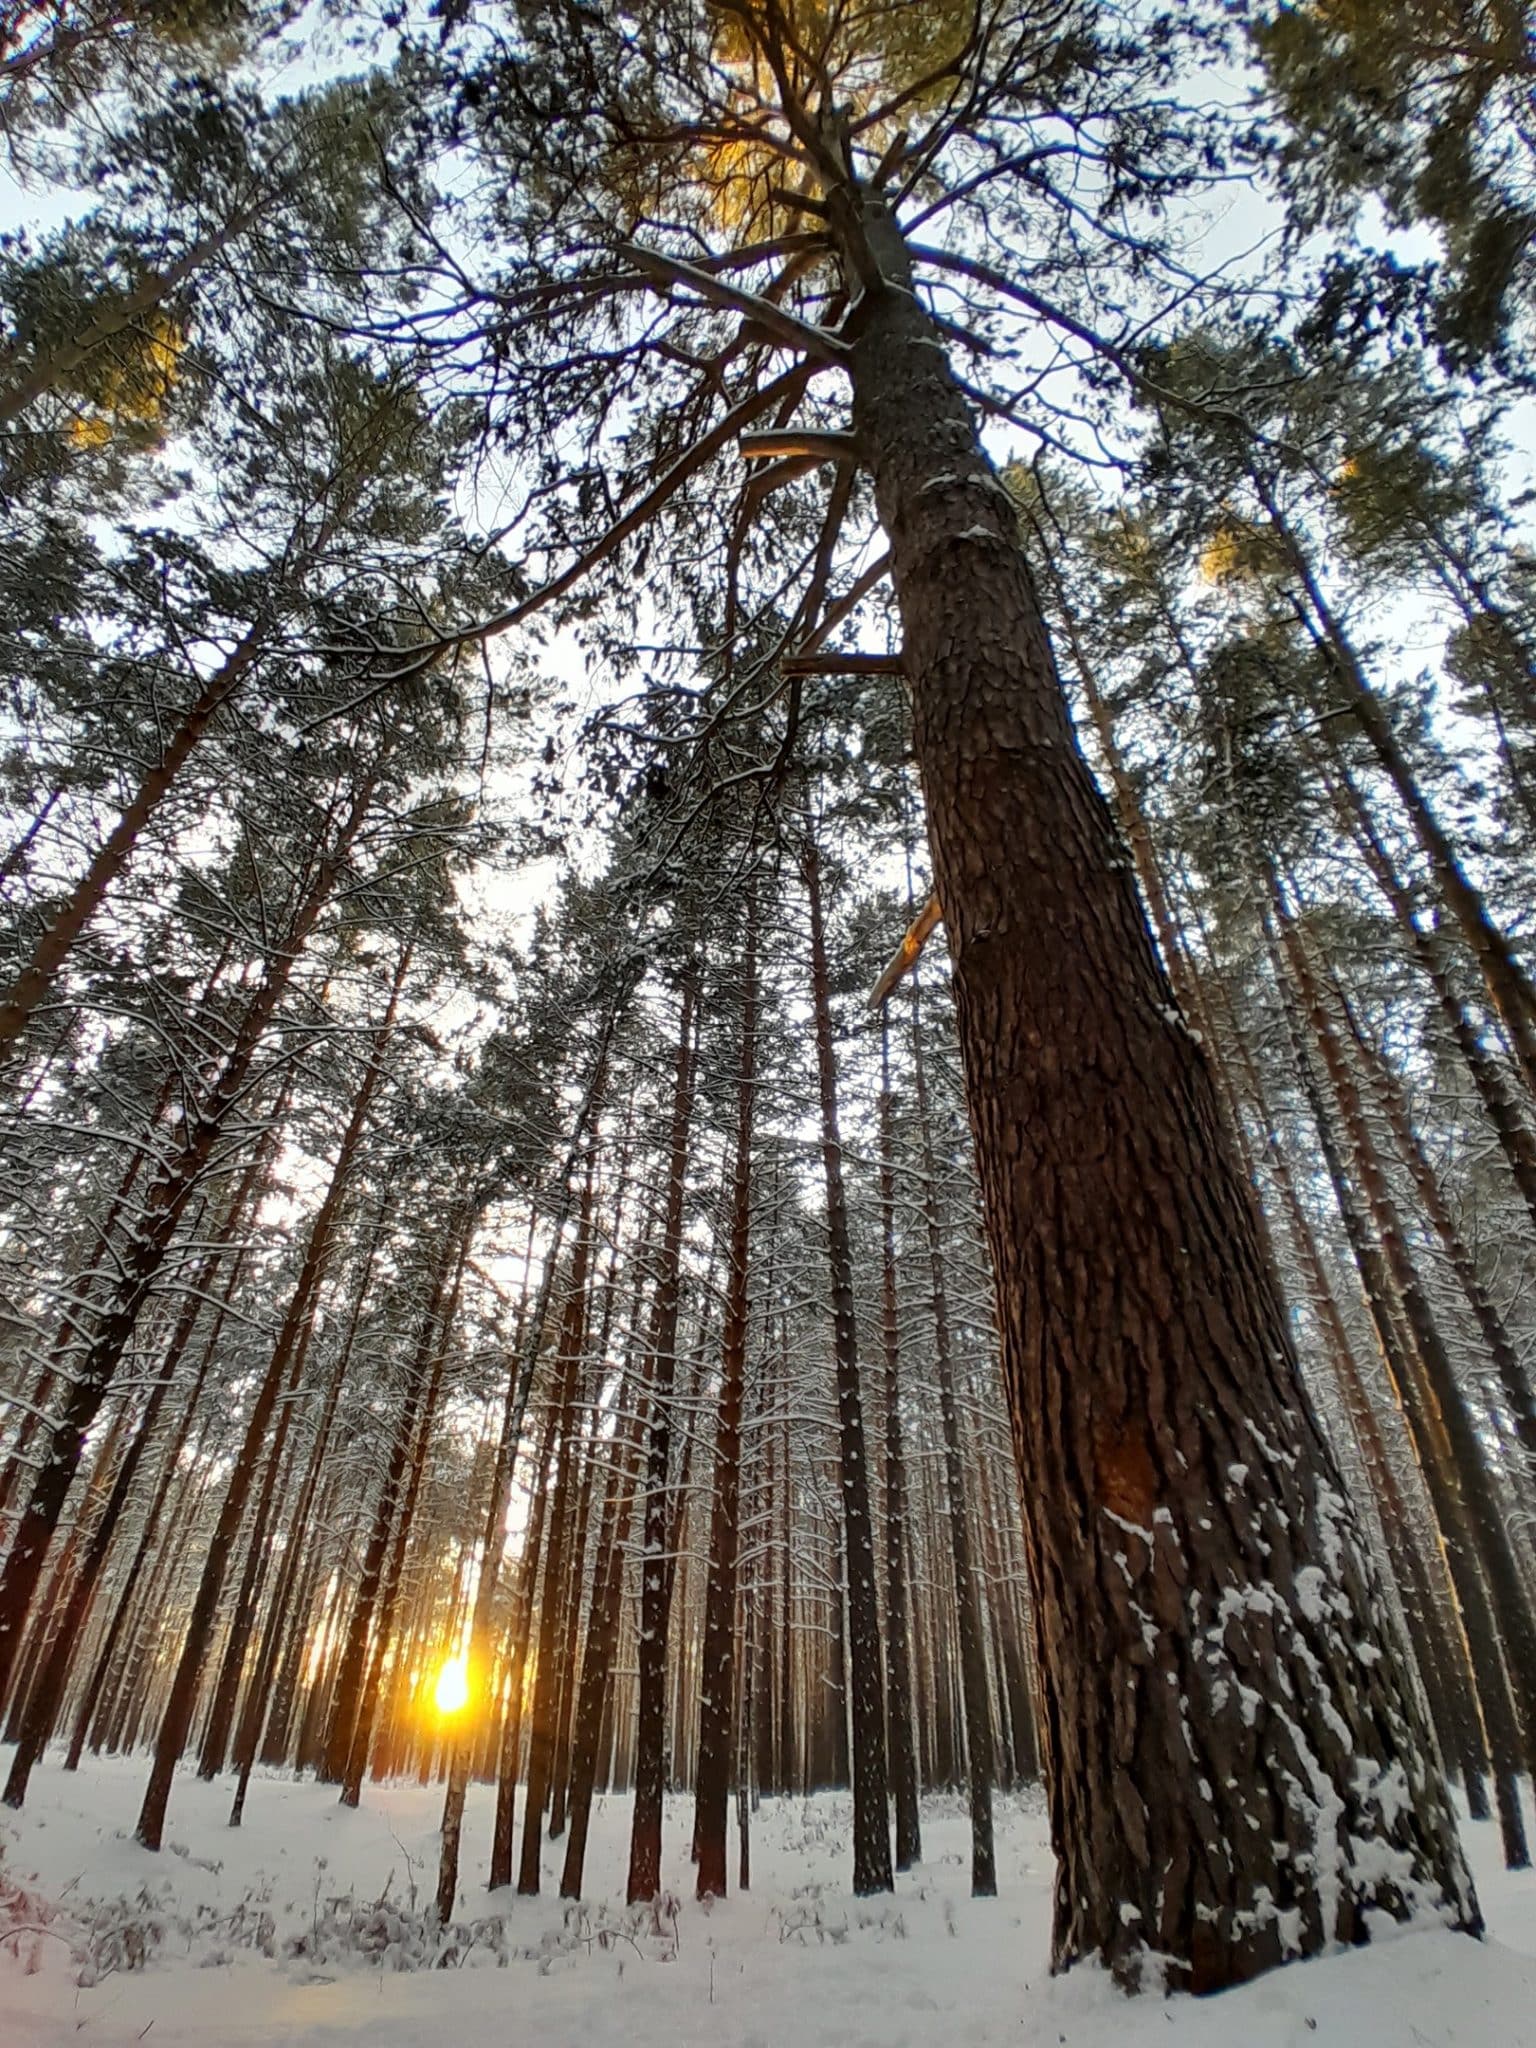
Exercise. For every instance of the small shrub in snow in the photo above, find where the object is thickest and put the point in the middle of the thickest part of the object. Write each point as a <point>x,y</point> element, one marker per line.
<point>121,1934</point>
<point>24,1923</point>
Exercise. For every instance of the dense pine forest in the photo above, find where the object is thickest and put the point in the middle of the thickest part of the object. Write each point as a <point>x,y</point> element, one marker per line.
<point>767,998</point>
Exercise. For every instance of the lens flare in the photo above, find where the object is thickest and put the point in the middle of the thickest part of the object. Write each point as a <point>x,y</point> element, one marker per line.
<point>451,1693</point>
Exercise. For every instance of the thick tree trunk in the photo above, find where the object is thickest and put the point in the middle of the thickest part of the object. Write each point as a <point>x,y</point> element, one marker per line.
<point>717,1676</point>
<point>871,1818</point>
<point>1239,1769</point>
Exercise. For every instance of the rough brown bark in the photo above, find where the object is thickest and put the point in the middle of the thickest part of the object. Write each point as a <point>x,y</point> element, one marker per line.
<point>1230,1777</point>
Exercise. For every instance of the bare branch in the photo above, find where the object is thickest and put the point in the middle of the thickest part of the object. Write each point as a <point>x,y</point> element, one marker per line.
<point>778,325</point>
<point>820,447</point>
<point>909,952</point>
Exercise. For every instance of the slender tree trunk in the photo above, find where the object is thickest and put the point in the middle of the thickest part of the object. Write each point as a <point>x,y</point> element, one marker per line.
<point>547,1675</point>
<point>19,1003</point>
<point>1426,1422</point>
<point>973,1656</point>
<point>1516,1620</point>
<point>517,1660</point>
<point>145,1254</point>
<point>519,1387</point>
<point>1163,1433</point>
<point>871,1821</point>
<point>602,1640</point>
<point>898,1654</point>
<point>717,1678</point>
<point>1442,1655</point>
<point>441,1327</point>
<point>47,1690</point>
<point>288,1361</point>
<point>283,1371</point>
<point>644,1880</point>
<point>1388,1091</point>
<point>560,1765</point>
<point>352,1668</point>
<point>239,1207</point>
<point>1509,1125</point>
<point>263,1704</point>
<point>1509,989</point>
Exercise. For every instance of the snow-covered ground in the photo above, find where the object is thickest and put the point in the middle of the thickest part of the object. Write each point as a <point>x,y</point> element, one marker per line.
<point>290,1931</point>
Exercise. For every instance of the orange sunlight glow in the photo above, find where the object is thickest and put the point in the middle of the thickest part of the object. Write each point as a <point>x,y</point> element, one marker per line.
<point>451,1693</point>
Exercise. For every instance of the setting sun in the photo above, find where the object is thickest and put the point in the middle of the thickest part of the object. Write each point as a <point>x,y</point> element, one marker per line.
<point>451,1693</point>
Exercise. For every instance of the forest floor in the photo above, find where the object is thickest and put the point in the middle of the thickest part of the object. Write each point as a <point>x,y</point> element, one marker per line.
<point>308,1926</point>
